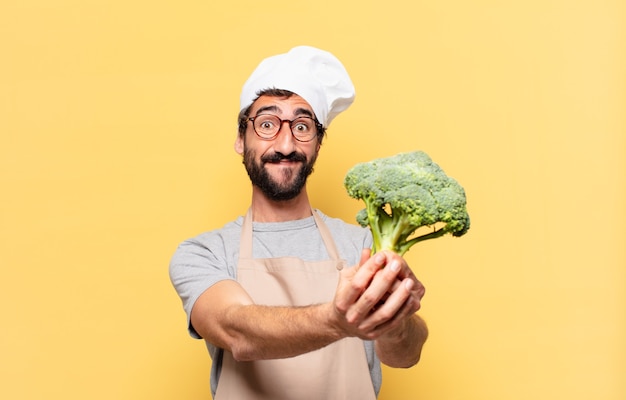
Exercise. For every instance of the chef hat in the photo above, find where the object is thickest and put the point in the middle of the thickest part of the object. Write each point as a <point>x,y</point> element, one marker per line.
<point>315,75</point>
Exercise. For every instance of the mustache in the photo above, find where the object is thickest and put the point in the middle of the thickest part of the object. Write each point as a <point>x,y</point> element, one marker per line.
<point>278,157</point>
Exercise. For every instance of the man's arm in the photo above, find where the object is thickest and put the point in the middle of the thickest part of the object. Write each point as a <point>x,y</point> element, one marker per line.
<point>226,316</point>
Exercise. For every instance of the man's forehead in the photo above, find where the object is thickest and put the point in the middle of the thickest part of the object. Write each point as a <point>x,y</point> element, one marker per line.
<point>293,104</point>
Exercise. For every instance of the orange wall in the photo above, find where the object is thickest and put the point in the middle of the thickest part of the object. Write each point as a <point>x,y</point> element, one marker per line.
<point>117,120</point>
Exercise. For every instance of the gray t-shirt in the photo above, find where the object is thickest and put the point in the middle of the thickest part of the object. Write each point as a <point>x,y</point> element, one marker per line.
<point>201,262</point>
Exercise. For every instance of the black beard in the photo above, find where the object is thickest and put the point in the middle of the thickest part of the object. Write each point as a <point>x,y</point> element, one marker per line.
<point>275,190</point>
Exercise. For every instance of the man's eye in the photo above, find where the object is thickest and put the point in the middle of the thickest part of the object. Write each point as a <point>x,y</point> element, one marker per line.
<point>301,126</point>
<point>266,125</point>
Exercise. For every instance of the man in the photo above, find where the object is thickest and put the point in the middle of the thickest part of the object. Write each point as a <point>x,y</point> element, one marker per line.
<point>289,303</point>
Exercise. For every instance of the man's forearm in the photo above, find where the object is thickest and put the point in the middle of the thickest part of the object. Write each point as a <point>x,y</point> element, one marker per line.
<point>402,347</point>
<point>264,332</point>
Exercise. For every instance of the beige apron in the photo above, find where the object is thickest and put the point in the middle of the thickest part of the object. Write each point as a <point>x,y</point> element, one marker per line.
<point>337,371</point>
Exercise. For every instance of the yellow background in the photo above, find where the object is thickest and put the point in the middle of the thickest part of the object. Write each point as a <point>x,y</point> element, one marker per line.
<point>117,120</point>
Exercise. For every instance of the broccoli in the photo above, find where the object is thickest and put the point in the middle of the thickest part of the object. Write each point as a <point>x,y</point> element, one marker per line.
<point>403,193</point>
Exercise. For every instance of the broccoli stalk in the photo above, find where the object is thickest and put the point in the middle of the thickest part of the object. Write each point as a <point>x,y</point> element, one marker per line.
<point>392,230</point>
<point>403,193</point>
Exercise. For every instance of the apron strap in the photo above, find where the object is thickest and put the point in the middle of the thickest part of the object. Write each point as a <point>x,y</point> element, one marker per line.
<point>327,238</point>
<point>245,247</point>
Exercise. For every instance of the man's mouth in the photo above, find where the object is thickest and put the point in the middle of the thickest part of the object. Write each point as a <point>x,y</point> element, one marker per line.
<point>278,158</point>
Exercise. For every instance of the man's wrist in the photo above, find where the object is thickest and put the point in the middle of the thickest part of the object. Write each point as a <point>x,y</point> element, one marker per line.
<point>331,321</point>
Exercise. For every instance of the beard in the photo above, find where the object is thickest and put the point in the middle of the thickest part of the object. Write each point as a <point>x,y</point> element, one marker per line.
<point>292,180</point>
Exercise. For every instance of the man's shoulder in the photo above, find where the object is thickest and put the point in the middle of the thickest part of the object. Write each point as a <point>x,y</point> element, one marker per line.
<point>228,233</point>
<point>335,220</point>
<point>338,224</point>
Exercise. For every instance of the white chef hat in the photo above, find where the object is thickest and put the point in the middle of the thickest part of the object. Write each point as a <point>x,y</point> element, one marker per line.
<point>315,75</point>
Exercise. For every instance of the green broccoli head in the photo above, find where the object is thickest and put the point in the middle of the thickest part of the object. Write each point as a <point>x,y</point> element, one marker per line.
<point>403,193</point>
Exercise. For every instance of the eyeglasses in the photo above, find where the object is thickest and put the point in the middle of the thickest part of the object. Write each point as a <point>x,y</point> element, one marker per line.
<point>267,126</point>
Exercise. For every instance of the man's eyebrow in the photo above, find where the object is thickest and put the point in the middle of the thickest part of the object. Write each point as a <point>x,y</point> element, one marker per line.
<point>267,108</point>
<point>303,111</point>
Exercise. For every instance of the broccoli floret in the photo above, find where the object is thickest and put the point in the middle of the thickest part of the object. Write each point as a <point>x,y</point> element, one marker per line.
<point>403,193</point>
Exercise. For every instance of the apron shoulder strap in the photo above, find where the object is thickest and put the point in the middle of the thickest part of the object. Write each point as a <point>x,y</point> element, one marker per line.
<point>245,246</point>
<point>326,236</point>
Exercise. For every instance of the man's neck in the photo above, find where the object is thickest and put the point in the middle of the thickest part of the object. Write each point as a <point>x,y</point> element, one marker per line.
<point>267,210</point>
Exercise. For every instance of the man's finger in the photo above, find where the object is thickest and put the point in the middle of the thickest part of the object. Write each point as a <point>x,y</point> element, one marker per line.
<point>365,255</point>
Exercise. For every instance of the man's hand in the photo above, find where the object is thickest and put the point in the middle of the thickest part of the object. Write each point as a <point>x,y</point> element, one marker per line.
<point>377,300</point>
<point>376,296</point>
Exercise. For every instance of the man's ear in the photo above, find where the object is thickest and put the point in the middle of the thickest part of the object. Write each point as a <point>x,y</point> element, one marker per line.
<point>239,144</point>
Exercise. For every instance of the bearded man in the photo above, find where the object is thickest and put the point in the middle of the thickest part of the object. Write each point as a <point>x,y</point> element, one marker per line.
<point>288,300</point>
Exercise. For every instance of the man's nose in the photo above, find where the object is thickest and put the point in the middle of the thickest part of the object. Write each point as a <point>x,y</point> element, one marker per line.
<point>284,141</point>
